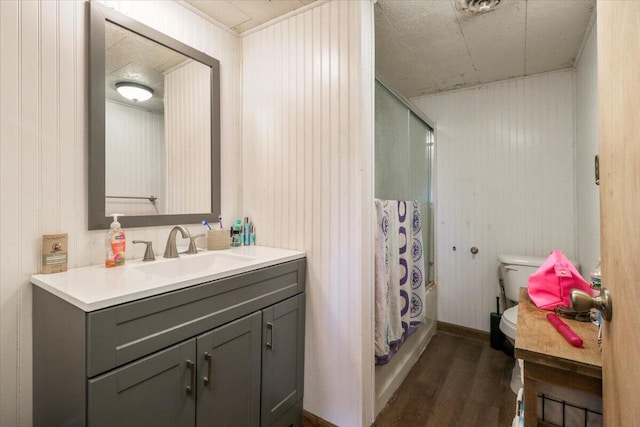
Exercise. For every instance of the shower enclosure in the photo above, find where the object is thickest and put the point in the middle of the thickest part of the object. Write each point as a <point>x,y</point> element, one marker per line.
<point>404,160</point>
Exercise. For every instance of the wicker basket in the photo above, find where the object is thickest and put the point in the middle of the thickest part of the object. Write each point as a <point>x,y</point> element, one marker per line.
<point>218,239</point>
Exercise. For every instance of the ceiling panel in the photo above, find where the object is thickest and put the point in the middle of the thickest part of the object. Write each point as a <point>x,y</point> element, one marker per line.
<point>222,11</point>
<point>264,11</point>
<point>427,46</point>
<point>447,65</point>
<point>554,34</point>
<point>392,42</point>
<point>496,40</point>
<point>418,21</point>
<point>422,44</point>
<point>243,15</point>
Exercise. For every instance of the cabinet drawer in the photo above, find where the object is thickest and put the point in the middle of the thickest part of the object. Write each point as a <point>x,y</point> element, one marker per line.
<point>120,334</point>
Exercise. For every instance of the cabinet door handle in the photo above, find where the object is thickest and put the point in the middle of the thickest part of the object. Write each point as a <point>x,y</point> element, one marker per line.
<point>269,344</point>
<point>191,367</point>
<point>209,359</point>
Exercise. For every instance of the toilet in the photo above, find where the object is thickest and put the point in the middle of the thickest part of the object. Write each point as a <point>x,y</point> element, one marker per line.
<point>514,272</point>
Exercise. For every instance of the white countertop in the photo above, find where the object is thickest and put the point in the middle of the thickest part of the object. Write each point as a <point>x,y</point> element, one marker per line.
<point>95,287</point>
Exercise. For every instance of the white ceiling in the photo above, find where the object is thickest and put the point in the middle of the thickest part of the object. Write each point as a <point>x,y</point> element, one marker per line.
<point>430,46</point>
<point>242,15</point>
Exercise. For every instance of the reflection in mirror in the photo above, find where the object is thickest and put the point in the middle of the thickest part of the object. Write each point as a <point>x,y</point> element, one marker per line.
<point>154,148</point>
<point>155,160</point>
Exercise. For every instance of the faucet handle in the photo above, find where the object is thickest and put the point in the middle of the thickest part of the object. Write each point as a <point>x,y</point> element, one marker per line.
<point>193,249</point>
<point>148,252</point>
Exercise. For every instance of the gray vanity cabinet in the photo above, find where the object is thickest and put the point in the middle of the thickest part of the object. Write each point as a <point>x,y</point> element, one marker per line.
<point>154,391</point>
<point>282,360</point>
<point>226,353</point>
<point>229,374</point>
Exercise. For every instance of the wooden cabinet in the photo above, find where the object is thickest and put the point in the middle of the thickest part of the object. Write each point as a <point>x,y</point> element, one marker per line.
<point>548,358</point>
<point>223,353</point>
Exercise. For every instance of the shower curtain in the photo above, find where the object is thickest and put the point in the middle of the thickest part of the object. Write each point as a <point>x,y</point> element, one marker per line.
<point>399,275</point>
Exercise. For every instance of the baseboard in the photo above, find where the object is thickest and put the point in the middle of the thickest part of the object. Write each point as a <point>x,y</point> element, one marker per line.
<point>463,331</point>
<point>311,420</point>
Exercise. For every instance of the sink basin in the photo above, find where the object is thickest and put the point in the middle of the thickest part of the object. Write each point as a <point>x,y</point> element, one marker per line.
<point>184,265</point>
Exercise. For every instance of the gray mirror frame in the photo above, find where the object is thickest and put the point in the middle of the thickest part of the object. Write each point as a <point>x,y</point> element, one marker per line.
<point>98,15</point>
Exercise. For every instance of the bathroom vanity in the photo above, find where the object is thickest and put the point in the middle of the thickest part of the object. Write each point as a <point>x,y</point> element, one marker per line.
<point>215,338</point>
<point>549,358</point>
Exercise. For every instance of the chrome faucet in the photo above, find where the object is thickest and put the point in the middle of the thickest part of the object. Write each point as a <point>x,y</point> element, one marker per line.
<point>171,250</point>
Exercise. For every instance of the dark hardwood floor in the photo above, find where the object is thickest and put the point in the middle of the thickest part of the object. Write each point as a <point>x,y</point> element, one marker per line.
<point>458,381</point>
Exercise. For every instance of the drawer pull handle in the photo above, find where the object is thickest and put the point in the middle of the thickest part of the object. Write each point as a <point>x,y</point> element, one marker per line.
<point>269,344</point>
<point>191,367</point>
<point>209,359</point>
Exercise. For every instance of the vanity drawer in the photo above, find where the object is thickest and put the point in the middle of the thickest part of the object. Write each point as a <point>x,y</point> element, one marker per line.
<point>123,333</point>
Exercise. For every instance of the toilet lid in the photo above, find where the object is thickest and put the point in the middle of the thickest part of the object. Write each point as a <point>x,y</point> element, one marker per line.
<point>510,315</point>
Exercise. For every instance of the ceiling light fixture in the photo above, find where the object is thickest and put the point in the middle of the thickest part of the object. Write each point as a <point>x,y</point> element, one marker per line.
<point>134,91</point>
<point>478,6</point>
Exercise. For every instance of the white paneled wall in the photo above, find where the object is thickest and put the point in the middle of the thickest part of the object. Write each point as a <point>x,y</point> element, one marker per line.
<point>43,152</point>
<point>505,184</point>
<point>588,198</point>
<point>186,26</point>
<point>307,184</point>
<point>135,160</point>
<point>187,117</point>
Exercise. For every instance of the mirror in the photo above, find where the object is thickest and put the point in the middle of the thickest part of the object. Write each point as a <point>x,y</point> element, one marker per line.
<point>155,160</point>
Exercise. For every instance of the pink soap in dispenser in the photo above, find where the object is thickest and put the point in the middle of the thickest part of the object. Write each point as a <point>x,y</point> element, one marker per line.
<point>115,244</point>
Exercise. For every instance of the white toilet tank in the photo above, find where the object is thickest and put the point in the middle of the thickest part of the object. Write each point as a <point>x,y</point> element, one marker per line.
<point>515,271</point>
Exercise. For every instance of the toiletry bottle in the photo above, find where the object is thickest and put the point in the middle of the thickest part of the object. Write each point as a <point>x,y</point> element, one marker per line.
<point>115,243</point>
<point>237,234</point>
<point>252,236</point>
<point>246,231</point>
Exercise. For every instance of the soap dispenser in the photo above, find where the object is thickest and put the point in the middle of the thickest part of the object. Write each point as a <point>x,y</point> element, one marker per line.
<point>115,244</point>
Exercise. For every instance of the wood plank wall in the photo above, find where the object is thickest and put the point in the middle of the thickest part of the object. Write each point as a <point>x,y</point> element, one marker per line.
<point>43,155</point>
<point>307,184</point>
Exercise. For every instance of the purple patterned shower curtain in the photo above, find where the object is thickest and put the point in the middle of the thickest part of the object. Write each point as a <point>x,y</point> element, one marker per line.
<point>399,277</point>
